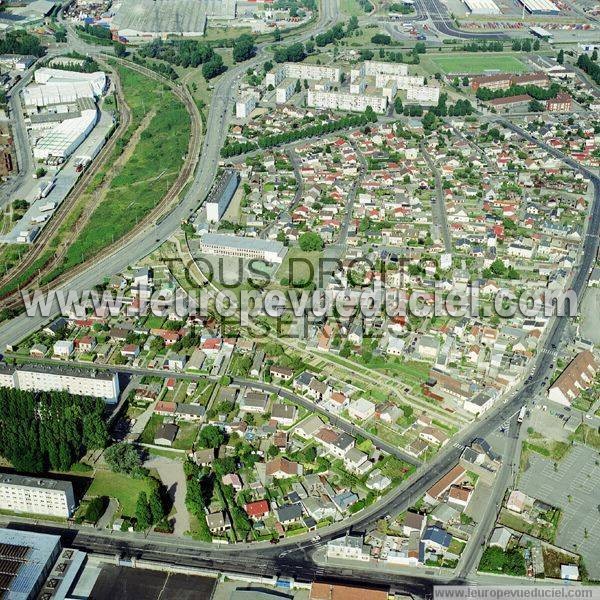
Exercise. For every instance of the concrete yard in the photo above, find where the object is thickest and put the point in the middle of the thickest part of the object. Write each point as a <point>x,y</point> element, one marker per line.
<point>573,488</point>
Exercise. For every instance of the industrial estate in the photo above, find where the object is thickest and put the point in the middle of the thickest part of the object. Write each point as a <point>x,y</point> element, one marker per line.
<point>298,298</point>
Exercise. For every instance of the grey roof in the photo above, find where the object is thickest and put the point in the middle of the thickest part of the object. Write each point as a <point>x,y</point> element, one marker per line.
<point>191,409</point>
<point>68,371</point>
<point>241,243</point>
<point>42,550</point>
<point>35,482</point>
<point>168,431</point>
<point>289,512</point>
<point>437,535</point>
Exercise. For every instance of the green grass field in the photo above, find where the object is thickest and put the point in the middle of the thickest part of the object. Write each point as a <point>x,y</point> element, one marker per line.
<point>115,485</point>
<point>476,63</point>
<point>351,8</point>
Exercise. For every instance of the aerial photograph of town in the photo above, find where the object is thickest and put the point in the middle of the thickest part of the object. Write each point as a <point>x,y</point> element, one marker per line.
<point>299,299</point>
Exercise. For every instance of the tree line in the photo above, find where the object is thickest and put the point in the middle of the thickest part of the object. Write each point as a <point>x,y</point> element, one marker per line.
<point>587,65</point>
<point>486,94</point>
<point>49,430</point>
<point>268,141</point>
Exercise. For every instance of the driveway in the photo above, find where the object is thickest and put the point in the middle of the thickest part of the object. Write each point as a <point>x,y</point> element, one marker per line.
<point>171,474</point>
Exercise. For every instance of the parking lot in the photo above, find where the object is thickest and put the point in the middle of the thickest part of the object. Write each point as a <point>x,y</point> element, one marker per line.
<point>572,487</point>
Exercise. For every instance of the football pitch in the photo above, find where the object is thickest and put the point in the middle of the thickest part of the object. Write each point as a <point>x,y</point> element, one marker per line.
<point>477,63</point>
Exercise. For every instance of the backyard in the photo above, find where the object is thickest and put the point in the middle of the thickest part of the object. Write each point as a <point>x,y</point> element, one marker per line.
<point>122,487</point>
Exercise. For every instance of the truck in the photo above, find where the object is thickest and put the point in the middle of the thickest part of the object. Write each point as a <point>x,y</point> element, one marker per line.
<point>39,219</point>
<point>45,188</point>
<point>48,207</point>
<point>522,413</point>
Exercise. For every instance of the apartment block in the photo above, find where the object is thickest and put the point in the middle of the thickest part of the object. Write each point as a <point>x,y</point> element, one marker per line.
<point>19,493</point>
<point>45,378</point>
<point>285,91</point>
<point>423,95</point>
<point>303,71</point>
<point>244,106</point>
<point>373,68</point>
<point>346,101</point>
<point>312,72</point>
<point>403,82</point>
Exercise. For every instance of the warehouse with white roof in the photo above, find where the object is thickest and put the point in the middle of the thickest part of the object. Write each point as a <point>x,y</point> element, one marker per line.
<point>540,7</point>
<point>64,138</point>
<point>482,7</point>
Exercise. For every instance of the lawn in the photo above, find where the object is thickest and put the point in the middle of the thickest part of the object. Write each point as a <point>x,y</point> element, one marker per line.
<point>153,424</point>
<point>122,487</point>
<point>351,8</point>
<point>298,265</point>
<point>477,63</point>
<point>186,436</point>
<point>587,435</point>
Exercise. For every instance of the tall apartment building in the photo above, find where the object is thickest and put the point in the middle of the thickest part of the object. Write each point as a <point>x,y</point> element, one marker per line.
<point>358,87</point>
<point>19,493</point>
<point>285,91</point>
<point>221,194</point>
<point>424,94</point>
<point>47,378</point>
<point>346,101</point>
<point>303,71</point>
<point>244,106</point>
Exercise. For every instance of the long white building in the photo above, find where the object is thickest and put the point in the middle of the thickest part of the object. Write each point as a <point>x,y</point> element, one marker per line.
<point>55,86</point>
<point>242,247</point>
<point>303,71</point>
<point>22,494</point>
<point>47,378</point>
<point>346,101</point>
<point>64,138</point>
<point>96,80</point>
<point>403,82</point>
<point>373,68</point>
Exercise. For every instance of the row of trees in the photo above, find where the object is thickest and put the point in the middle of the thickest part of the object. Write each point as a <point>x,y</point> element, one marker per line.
<point>150,510</point>
<point>269,141</point>
<point>589,66</point>
<point>526,45</point>
<point>49,430</point>
<point>534,91</point>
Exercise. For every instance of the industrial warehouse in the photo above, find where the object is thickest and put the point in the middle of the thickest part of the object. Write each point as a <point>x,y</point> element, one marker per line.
<point>482,7</point>
<point>140,19</point>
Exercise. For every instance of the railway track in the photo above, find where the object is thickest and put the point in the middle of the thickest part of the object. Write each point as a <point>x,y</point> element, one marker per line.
<point>13,299</point>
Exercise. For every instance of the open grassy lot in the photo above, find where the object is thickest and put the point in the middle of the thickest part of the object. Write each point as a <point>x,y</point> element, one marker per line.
<point>116,485</point>
<point>351,8</point>
<point>475,63</point>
